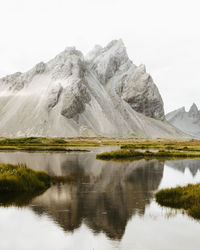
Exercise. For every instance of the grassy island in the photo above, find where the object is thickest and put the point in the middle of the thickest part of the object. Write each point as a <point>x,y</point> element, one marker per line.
<point>20,184</point>
<point>187,198</point>
<point>20,179</point>
<point>130,154</point>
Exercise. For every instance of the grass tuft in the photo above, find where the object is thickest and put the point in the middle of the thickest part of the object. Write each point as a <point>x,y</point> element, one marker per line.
<point>187,198</point>
<point>19,178</point>
<point>19,184</point>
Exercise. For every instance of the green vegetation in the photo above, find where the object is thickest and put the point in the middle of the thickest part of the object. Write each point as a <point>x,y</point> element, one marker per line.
<point>187,198</point>
<point>39,142</point>
<point>129,154</point>
<point>19,184</point>
<point>63,144</point>
<point>19,179</point>
<point>159,146</point>
<point>36,144</point>
<point>30,141</point>
<point>163,149</point>
<point>27,148</point>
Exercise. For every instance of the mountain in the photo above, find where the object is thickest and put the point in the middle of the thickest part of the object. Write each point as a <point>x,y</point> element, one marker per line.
<point>188,122</point>
<point>101,94</point>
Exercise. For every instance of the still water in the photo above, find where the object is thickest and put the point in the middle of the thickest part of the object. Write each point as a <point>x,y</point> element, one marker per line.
<point>114,209</point>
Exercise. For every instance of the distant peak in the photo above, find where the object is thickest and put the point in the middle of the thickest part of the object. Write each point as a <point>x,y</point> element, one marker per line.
<point>193,109</point>
<point>194,105</point>
<point>115,43</point>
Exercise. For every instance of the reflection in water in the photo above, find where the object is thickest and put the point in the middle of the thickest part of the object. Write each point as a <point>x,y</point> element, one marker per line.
<point>107,202</point>
<point>17,199</point>
<point>116,193</point>
<point>192,164</point>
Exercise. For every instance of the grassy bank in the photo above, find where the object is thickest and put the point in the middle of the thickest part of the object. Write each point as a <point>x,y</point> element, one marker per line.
<point>130,154</point>
<point>19,184</point>
<point>19,179</point>
<point>40,148</point>
<point>37,144</point>
<point>63,144</point>
<point>187,198</point>
<point>40,142</point>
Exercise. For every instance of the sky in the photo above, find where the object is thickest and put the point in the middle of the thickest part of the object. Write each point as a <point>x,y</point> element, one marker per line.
<point>163,35</point>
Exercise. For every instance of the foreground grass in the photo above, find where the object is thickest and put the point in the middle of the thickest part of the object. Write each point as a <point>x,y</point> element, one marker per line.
<point>129,154</point>
<point>19,184</point>
<point>19,179</point>
<point>187,198</point>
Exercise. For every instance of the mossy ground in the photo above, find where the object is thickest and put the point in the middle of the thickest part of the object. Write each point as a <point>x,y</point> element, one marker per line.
<point>131,154</point>
<point>19,184</point>
<point>37,144</point>
<point>20,179</point>
<point>45,143</point>
<point>187,198</point>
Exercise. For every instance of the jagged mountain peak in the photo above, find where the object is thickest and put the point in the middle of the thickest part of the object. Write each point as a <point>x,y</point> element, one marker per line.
<point>193,109</point>
<point>109,60</point>
<point>112,48</point>
<point>115,46</point>
<point>71,95</point>
<point>188,122</point>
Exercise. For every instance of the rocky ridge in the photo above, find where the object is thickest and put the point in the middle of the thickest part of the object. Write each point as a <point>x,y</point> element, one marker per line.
<point>188,122</point>
<point>101,94</point>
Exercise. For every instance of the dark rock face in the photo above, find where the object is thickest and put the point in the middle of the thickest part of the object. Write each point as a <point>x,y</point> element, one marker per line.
<point>74,100</point>
<point>138,89</point>
<point>194,112</point>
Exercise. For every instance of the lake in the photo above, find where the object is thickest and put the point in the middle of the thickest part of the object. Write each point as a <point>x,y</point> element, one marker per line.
<point>113,209</point>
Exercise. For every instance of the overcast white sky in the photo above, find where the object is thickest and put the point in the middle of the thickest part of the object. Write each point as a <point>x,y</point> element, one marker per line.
<point>162,34</point>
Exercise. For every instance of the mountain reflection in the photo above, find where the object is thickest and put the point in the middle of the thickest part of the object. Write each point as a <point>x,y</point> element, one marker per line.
<point>114,193</point>
<point>192,164</point>
<point>107,201</point>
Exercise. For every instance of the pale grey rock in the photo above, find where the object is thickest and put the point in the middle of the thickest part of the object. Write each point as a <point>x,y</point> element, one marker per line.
<point>14,82</point>
<point>132,83</point>
<point>188,122</point>
<point>69,62</point>
<point>102,94</point>
<point>107,61</point>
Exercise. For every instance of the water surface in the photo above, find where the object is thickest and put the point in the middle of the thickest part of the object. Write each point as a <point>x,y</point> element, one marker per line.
<point>114,209</point>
